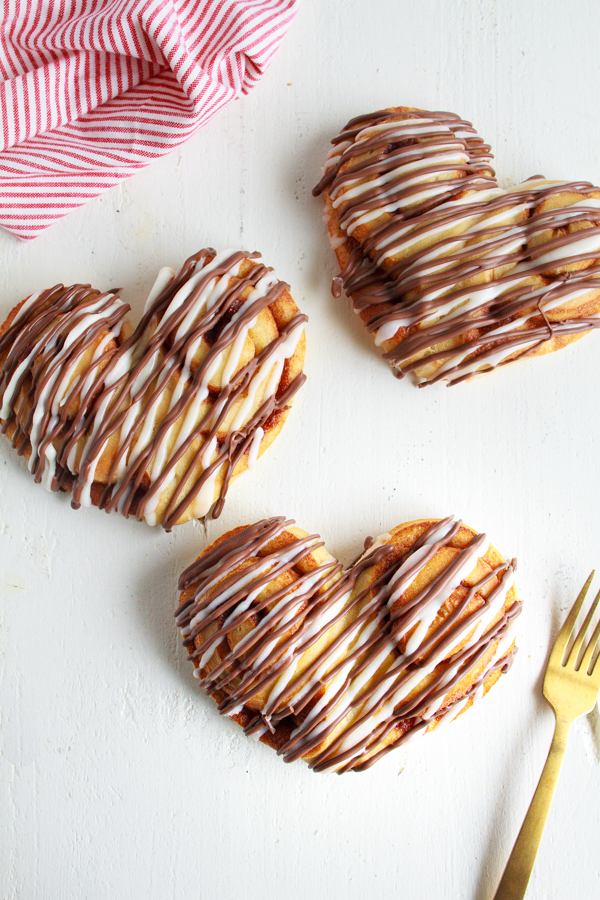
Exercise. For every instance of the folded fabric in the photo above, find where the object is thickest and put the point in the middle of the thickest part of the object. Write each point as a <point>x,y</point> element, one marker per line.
<point>94,90</point>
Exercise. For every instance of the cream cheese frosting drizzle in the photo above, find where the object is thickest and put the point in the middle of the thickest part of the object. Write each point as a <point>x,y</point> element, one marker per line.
<point>154,423</point>
<point>333,662</point>
<point>445,267</point>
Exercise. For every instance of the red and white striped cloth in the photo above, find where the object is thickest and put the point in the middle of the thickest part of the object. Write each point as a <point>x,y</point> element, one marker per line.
<point>94,90</point>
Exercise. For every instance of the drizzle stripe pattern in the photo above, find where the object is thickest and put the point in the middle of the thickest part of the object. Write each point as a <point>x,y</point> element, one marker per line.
<point>453,275</point>
<point>158,420</point>
<point>340,666</point>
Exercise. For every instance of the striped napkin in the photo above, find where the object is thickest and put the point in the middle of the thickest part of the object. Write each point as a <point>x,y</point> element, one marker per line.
<point>94,90</point>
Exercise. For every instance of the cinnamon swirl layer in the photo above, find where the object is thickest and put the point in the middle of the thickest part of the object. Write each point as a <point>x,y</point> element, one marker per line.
<point>453,275</point>
<point>339,666</point>
<point>153,421</point>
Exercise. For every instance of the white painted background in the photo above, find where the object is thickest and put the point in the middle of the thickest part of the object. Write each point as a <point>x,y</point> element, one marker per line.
<point>118,779</point>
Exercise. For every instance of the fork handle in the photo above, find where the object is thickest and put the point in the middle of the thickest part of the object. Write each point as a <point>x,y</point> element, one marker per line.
<point>518,868</point>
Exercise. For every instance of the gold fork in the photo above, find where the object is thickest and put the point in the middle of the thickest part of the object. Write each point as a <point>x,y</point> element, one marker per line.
<point>571,688</point>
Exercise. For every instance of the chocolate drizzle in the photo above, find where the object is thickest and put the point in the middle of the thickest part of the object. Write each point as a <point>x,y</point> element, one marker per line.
<point>454,276</point>
<point>156,423</point>
<point>339,666</point>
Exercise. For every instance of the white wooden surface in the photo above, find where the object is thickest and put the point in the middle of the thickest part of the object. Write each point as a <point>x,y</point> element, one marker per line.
<point>118,778</point>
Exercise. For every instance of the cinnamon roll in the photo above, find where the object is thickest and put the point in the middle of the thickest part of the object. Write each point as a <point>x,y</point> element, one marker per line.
<point>154,421</point>
<point>453,275</point>
<point>340,666</point>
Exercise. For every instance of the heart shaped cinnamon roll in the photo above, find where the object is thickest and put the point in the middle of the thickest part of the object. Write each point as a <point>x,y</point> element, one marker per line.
<point>153,421</point>
<point>453,275</point>
<point>339,666</point>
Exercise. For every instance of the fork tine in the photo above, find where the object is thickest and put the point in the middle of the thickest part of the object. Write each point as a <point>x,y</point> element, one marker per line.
<point>560,645</point>
<point>576,648</point>
<point>591,647</point>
